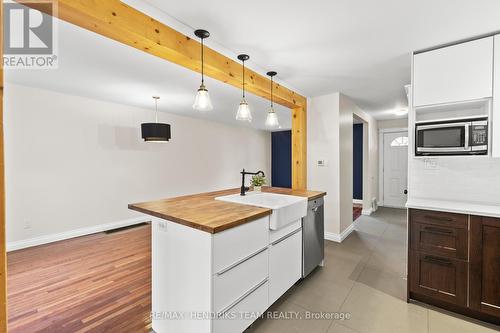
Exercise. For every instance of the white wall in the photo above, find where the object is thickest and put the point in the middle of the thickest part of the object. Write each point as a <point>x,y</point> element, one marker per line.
<point>370,158</point>
<point>323,144</point>
<point>346,110</point>
<point>392,123</point>
<point>74,162</point>
<point>330,120</point>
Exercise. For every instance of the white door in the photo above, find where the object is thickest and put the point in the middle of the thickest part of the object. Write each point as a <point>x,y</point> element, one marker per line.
<point>395,169</point>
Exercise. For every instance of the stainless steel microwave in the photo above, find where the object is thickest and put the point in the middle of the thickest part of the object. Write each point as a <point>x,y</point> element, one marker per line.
<point>452,137</point>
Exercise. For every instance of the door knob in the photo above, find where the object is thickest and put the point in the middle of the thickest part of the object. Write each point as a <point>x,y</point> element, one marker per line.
<point>405,191</point>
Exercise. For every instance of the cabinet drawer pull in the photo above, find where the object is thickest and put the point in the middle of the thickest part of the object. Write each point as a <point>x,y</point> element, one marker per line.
<point>227,269</point>
<point>438,218</point>
<point>440,261</point>
<point>241,298</point>
<point>286,237</point>
<point>438,230</point>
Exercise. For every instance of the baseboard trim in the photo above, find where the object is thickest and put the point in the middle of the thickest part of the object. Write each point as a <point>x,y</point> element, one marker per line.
<point>368,211</point>
<point>25,243</point>
<point>339,238</point>
<point>357,201</point>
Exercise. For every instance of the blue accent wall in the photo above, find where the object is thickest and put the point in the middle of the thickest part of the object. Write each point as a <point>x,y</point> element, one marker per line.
<point>281,161</point>
<point>357,145</point>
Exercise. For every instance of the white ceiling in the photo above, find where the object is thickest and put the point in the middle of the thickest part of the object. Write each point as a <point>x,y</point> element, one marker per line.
<point>358,47</point>
<point>96,67</point>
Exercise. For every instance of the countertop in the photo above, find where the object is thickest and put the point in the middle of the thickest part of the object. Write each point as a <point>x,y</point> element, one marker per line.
<point>203,212</point>
<point>455,207</point>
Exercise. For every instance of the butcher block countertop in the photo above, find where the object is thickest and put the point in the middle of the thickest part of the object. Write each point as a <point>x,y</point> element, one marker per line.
<point>203,212</point>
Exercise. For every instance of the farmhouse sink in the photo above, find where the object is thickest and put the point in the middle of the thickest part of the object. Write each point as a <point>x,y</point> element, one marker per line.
<point>286,208</point>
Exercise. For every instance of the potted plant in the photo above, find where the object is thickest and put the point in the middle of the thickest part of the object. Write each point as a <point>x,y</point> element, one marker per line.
<point>257,182</point>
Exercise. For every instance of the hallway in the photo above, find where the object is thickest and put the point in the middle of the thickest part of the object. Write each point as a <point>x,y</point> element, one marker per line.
<point>365,277</point>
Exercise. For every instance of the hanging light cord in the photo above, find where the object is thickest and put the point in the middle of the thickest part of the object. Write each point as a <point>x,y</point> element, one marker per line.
<point>243,79</point>
<point>156,113</point>
<point>272,92</point>
<point>202,64</point>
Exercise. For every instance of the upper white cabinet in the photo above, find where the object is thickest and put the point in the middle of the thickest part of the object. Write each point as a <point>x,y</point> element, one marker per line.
<point>455,73</point>
<point>495,121</point>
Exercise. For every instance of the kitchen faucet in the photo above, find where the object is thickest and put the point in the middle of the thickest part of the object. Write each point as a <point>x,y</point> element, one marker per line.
<point>243,174</point>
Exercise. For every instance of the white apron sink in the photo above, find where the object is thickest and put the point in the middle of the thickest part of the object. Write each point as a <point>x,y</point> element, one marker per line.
<point>286,208</point>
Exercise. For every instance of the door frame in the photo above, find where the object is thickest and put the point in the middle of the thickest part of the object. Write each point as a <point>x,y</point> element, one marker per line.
<point>381,132</point>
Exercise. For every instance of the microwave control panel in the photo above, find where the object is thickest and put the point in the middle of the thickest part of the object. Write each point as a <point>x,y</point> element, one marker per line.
<point>479,134</point>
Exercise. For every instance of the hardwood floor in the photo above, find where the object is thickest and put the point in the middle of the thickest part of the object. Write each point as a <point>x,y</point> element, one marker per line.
<point>96,283</point>
<point>356,211</point>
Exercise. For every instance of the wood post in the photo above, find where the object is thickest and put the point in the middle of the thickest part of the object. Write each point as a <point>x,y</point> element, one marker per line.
<point>3,255</point>
<point>299,148</point>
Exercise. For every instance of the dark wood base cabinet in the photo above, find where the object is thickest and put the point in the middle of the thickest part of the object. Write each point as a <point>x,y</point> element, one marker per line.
<point>485,265</point>
<point>454,262</point>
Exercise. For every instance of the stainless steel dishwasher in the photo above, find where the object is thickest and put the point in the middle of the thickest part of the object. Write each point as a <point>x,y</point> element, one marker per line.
<point>313,236</point>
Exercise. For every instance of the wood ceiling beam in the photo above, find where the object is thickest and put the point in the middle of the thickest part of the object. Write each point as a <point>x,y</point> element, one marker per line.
<point>119,21</point>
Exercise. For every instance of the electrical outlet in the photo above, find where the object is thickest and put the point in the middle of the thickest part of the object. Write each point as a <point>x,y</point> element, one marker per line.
<point>27,224</point>
<point>162,226</point>
<point>431,164</point>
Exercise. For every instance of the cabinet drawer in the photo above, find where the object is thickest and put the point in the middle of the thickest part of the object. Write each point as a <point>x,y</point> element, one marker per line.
<point>285,264</point>
<point>438,218</point>
<point>244,312</point>
<point>233,245</point>
<point>438,277</point>
<point>441,240</point>
<point>231,284</point>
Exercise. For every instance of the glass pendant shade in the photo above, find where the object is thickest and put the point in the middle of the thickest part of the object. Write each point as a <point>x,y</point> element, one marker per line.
<point>202,101</point>
<point>272,119</point>
<point>244,113</point>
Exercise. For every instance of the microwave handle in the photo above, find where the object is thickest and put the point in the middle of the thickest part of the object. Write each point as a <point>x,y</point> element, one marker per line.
<point>467,134</point>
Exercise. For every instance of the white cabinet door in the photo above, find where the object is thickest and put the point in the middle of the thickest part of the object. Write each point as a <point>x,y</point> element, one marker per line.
<point>455,73</point>
<point>285,264</point>
<point>495,121</point>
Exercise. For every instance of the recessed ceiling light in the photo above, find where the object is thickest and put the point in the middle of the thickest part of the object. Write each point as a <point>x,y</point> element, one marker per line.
<point>401,112</point>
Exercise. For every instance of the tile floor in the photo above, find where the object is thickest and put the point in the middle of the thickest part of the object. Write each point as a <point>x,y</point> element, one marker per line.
<point>363,276</point>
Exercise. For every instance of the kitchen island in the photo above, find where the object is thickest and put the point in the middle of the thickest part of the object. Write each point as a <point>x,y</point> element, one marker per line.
<point>218,265</point>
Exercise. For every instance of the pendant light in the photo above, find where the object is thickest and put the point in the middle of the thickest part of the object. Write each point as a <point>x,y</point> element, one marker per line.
<point>202,101</point>
<point>155,132</point>
<point>244,112</point>
<point>272,118</point>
